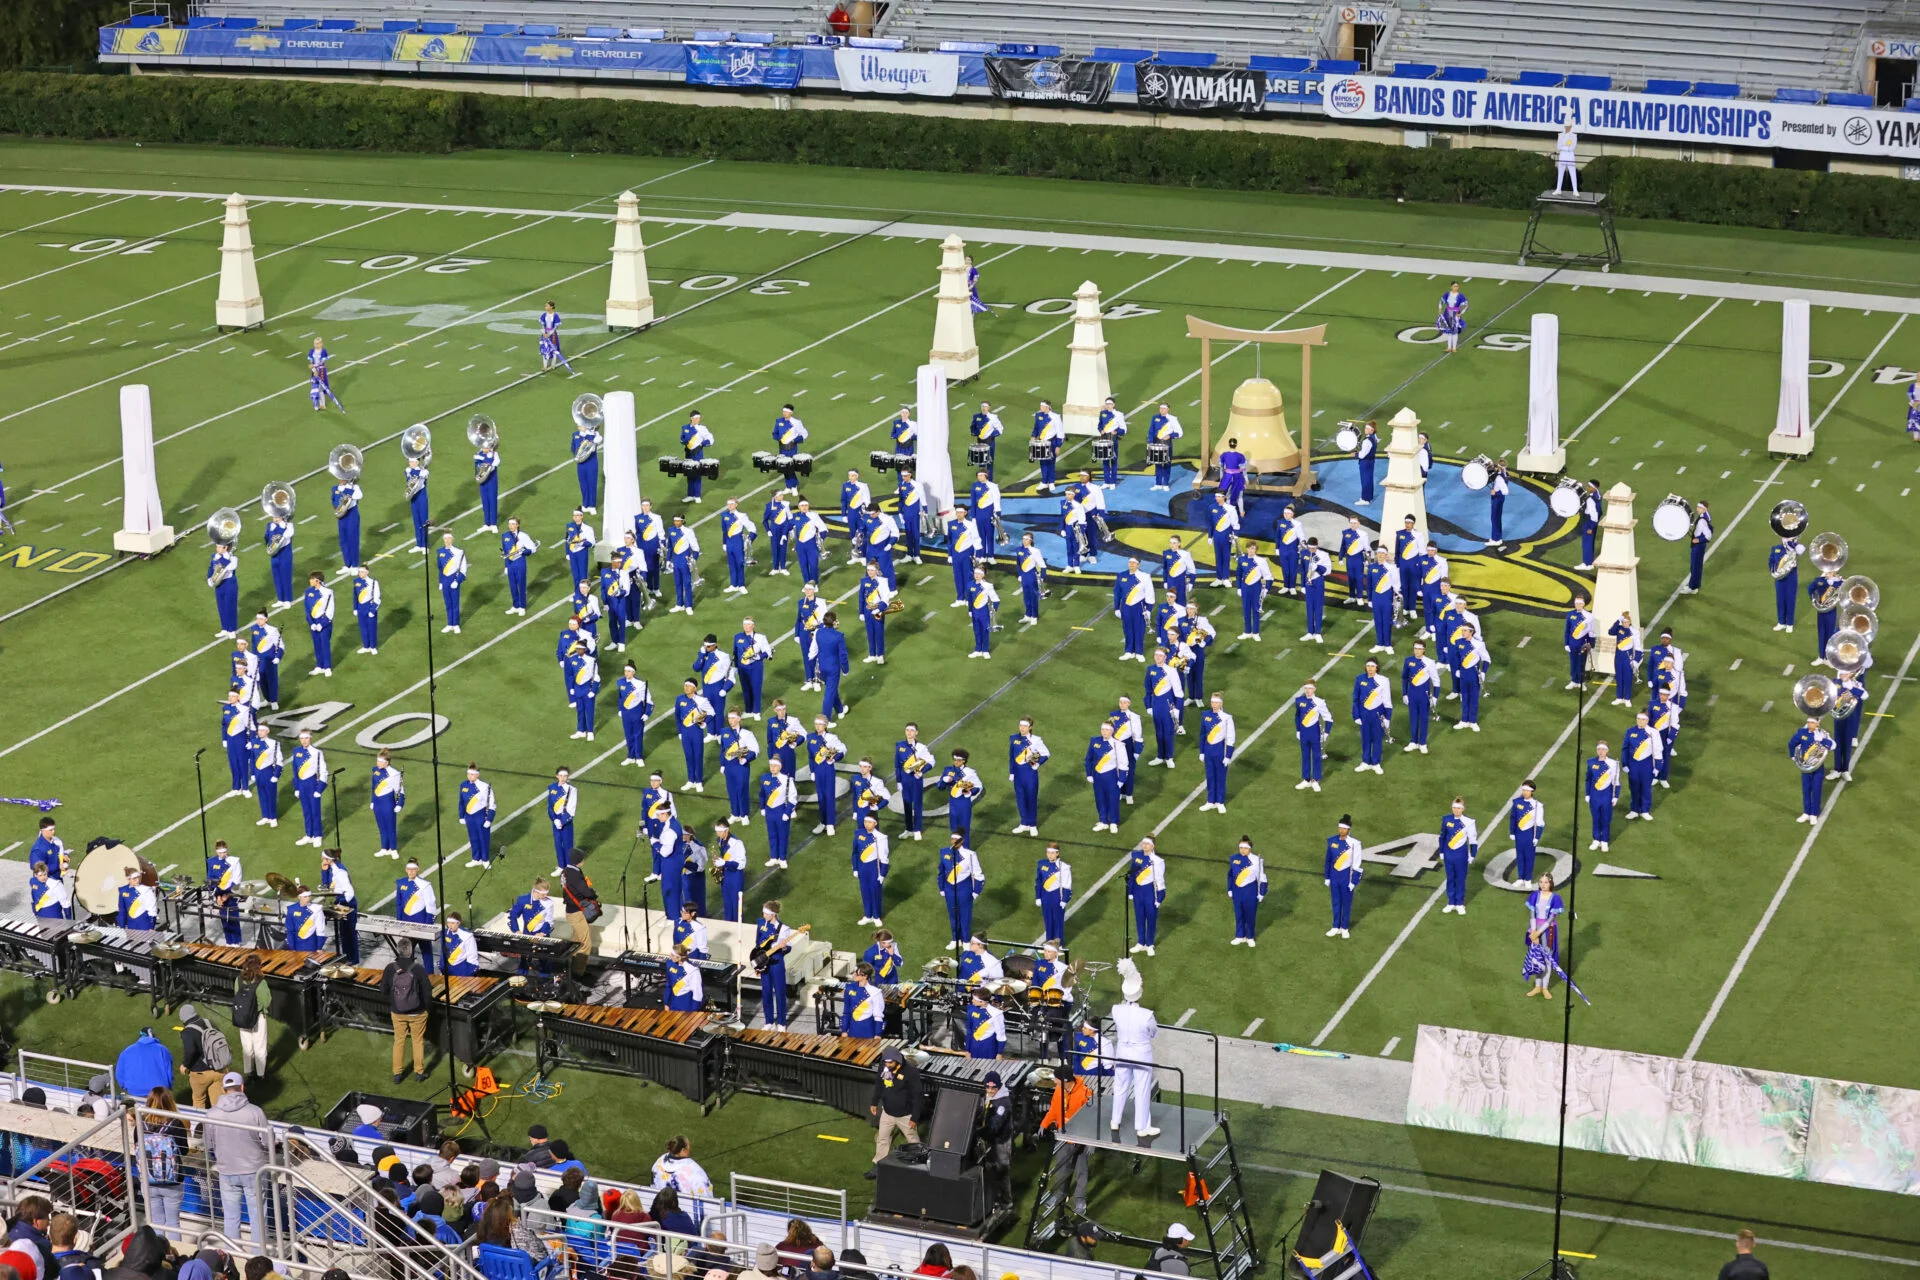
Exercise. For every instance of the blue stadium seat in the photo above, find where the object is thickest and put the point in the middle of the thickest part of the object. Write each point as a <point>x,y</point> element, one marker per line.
<point>1715,89</point>
<point>1592,84</point>
<point>147,20</point>
<point>1105,53</point>
<point>753,37</point>
<point>500,29</point>
<point>239,24</point>
<point>1806,97</point>
<point>969,46</point>
<point>1913,104</point>
<point>1014,49</point>
<point>496,1263</point>
<point>201,22</point>
<point>647,33</point>
<point>1541,79</point>
<point>1465,75</point>
<point>400,24</point>
<point>1850,100</point>
<point>543,30</point>
<point>603,33</point>
<point>1274,64</point>
<point>439,28</point>
<point>1177,58</point>
<point>1669,88</point>
<point>1415,70</point>
<point>872,42</point>
<point>1337,67</point>
<point>299,24</point>
<point>339,24</point>
<point>712,37</point>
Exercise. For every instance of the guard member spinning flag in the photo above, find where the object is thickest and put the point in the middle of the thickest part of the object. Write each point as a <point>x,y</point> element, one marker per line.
<point>319,385</point>
<point>550,353</point>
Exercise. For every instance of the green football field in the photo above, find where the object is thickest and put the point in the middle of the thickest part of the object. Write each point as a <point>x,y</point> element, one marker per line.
<point>1761,942</point>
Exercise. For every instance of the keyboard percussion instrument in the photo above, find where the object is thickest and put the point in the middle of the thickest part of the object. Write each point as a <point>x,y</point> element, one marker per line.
<point>477,1008</point>
<point>679,1050</point>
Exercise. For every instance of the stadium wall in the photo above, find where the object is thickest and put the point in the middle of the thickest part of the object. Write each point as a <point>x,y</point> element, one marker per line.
<point>1330,160</point>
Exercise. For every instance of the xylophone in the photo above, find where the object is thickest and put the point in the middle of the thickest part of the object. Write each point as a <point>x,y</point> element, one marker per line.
<point>678,1050</point>
<point>479,1009</point>
<point>1021,1077</point>
<point>208,971</point>
<point>127,960</point>
<point>836,1070</point>
<point>37,948</point>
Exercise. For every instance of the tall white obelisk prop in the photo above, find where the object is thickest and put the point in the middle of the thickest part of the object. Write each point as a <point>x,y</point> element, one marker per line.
<point>954,349</point>
<point>141,529</point>
<point>620,464</point>
<point>1792,427</point>
<point>1616,582</point>
<point>239,305</point>
<point>629,293</point>
<point>1406,493</point>
<point>932,465</point>
<point>1087,383</point>
<point>1544,453</point>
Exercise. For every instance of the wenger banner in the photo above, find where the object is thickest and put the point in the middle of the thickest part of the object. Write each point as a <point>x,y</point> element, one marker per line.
<point>1052,80</point>
<point>930,75</point>
<point>1199,88</point>
<point>1729,122</point>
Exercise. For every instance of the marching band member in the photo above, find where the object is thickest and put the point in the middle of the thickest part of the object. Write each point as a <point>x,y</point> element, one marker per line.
<point>319,384</point>
<point>1382,585</point>
<point>824,751</point>
<point>1786,586</point>
<point>807,614</point>
<point>486,476</point>
<point>1433,585</point>
<point>1163,428</point>
<point>223,569</point>
<point>1222,522</point>
<point>1804,740</point>
<point>987,429</point>
<point>1419,680</point>
<point>1032,567</point>
<point>883,532</point>
<point>1544,908</point>
<point>50,849</point>
<point>1194,637</point>
<point>417,504</point>
<point>1913,411</point>
<point>1470,676</point>
<point>139,906</point>
<point>683,555</point>
<point>583,690</point>
<point>1147,887</point>
<point>715,672</point>
<point>1663,717</point>
<point>789,433</point>
<point>268,647</point>
<point>1626,657</point>
<point>1577,639</point>
<point>236,723</point>
<point>657,809</point>
<point>305,929</point>
<point>1166,695</point>
<point>963,544</point>
<point>1826,621</point>
<point>1367,455</point>
<point>1459,844</point>
<point>585,445</point>
<point>694,440</point>
<point>52,900</point>
<point>984,507</point>
<point>979,965</point>
<point>1130,733</point>
<point>904,431</point>
<point>1052,891</point>
<point>562,802</point>
<point>414,901</point>
<point>346,907</point>
<point>1286,548</point>
<point>1589,522</point>
<point>863,1012</point>
<point>1075,531</point>
<point>785,736</point>
<point>1112,425</point>
<point>1697,546</point>
<point>868,794</point>
<point>477,810</point>
<point>345,497</point>
<point>459,949</point>
<point>1408,546</point>
<point>366,609</point>
<point>1049,974</point>
<point>1246,887</point>
<point>531,915</point>
<point>874,596</point>
<point>1233,484</point>
<point>693,716</point>
<point>1526,820</point>
<point>1316,566</point>
<point>1051,433</point>
<point>318,606</point>
<point>779,519</point>
<point>1312,722</point>
<point>986,1028</point>
<point>1132,600</point>
<point>737,533</point>
<point>883,960</point>
<point>634,697</point>
<point>515,547</point>
<point>779,797</point>
<point>1026,752</point>
<point>809,536</point>
<point>266,762</point>
<point>1134,1029</point>
<point>1846,729</point>
<point>389,798</point>
<point>963,788</point>
<point>1341,874</point>
<point>1641,749</point>
<point>1254,577</point>
<point>1603,788</point>
<point>730,866</point>
<point>574,639</point>
<point>983,606</point>
<point>775,940</point>
<point>577,539</point>
<point>830,662</point>
<point>911,760</point>
<point>871,853</point>
<point>1217,740</point>
<point>693,882</point>
<point>279,544</point>
<point>1497,489</point>
<point>1107,768</point>
<point>739,748</point>
<point>1356,553</point>
<point>586,607</point>
<point>855,499</point>
<point>961,880</point>
<point>550,353</point>
<point>309,784</point>
<point>912,516</point>
<point>1423,457</point>
<point>1453,316</point>
<point>1177,569</point>
<point>650,534</point>
<point>1373,712</point>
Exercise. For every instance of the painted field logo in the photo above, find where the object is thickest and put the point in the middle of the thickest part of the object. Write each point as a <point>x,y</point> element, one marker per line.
<point>1346,97</point>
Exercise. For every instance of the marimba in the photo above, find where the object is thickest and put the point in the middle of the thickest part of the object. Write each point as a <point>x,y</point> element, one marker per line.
<point>678,1050</point>
<point>836,1070</point>
<point>209,970</point>
<point>478,1009</point>
<point>38,949</point>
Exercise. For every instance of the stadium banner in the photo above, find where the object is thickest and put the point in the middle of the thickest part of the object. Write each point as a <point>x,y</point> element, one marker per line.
<point>743,66</point>
<point>926,75</point>
<point>1199,88</point>
<point>1300,90</point>
<point>1716,122</point>
<point>1086,84</point>
<point>407,46</point>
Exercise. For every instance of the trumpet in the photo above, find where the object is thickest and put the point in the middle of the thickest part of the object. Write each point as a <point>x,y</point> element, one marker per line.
<point>914,766</point>
<point>518,552</point>
<point>737,751</point>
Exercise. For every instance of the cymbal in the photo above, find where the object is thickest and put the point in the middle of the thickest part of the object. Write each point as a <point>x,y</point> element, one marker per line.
<point>283,885</point>
<point>168,951</point>
<point>337,971</point>
<point>1007,987</point>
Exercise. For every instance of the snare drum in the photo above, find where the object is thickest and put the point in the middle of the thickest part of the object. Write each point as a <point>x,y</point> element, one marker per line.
<point>1039,451</point>
<point>1106,449</point>
<point>1160,455</point>
<point>1673,518</point>
<point>980,455</point>
<point>1565,499</point>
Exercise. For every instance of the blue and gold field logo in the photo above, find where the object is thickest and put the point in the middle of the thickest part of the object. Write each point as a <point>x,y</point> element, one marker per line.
<point>415,47</point>
<point>153,42</point>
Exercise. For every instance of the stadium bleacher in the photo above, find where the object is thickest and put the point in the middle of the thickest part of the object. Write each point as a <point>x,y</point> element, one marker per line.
<point>1235,29</point>
<point>547,17</point>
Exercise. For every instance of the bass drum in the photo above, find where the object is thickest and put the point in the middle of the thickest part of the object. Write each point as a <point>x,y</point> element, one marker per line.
<point>96,885</point>
<point>1673,518</point>
<point>1478,474</point>
<point>1564,501</point>
<point>1346,439</point>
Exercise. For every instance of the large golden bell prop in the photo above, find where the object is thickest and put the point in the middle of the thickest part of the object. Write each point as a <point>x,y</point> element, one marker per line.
<point>1258,420</point>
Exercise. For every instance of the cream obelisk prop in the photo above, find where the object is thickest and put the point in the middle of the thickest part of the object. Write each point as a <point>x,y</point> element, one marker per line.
<point>1792,428</point>
<point>141,531</point>
<point>1616,581</point>
<point>239,305</point>
<point>954,349</point>
<point>1406,493</point>
<point>1544,453</point>
<point>629,293</point>
<point>1087,384</point>
<point>620,464</point>
<point>932,462</point>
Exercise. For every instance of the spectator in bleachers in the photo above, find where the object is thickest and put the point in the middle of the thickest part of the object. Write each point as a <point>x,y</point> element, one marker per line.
<point>799,1245</point>
<point>30,1221</point>
<point>676,1167</point>
<point>820,1266</point>
<point>563,1158</point>
<point>670,1216</point>
<point>766,1264</point>
<point>444,1174</point>
<point>69,1261</point>
<point>568,1191</point>
<point>539,1150</point>
<point>430,1214</point>
<point>145,1256</point>
<point>144,1065</point>
<point>935,1262</point>
<point>238,1149</point>
<point>163,1138</point>
<point>853,1265</point>
<point>712,1251</point>
<point>628,1246</point>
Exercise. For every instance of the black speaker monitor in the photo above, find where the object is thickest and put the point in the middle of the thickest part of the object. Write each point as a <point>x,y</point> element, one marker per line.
<point>1336,1199</point>
<point>951,1132</point>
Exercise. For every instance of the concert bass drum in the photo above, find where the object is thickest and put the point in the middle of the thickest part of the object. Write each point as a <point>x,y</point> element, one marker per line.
<point>97,881</point>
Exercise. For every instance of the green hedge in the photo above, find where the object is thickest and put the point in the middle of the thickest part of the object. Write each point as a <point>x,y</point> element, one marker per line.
<point>270,112</point>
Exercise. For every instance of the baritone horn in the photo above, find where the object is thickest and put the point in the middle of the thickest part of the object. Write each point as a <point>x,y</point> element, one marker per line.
<point>1828,551</point>
<point>1813,695</point>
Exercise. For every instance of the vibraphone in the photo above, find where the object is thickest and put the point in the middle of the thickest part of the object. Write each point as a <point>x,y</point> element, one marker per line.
<point>104,956</point>
<point>836,1070</point>
<point>482,1020</point>
<point>1017,1076</point>
<point>37,948</point>
<point>209,970</point>
<point>678,1050</point>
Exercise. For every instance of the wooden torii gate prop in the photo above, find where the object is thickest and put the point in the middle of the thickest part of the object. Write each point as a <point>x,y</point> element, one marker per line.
<point>1306,340</point>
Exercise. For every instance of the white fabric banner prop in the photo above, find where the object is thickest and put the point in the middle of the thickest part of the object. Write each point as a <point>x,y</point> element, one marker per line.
<point>932,468</point>
<point>620,463</point>
<point>1796,322</point>
<point>141,529</point>
<point>1543,452</point>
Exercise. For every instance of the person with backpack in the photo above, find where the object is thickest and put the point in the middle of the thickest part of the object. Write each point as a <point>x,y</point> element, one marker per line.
<point>238,1146</point>
<point>205,1055</point>
<point>404,984</point>
<point>163,1136</point>
<point>69,1261</point>
<point>250,999</point>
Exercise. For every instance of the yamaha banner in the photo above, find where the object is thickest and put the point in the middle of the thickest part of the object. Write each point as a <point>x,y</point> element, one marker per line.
<point>743,66</point>
<point>1086,84</point>
<point>1199,88</point>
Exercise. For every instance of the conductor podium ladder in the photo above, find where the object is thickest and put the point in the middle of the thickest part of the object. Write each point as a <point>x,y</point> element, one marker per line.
<point>1580,204</point>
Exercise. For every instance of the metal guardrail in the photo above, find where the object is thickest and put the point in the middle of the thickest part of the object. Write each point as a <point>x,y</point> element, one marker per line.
<point>793,1199</point>
<point>50,1071</point>
<point>87,1177</point>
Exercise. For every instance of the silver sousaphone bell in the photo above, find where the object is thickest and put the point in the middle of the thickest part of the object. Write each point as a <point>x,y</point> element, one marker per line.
<point>345,463</point>
<point>589,412</point>
<point>1788,518</point>
<point>1564,501</point>
<point>1673,518</point>
<point>276,500</point>
<point>1861,623</point>
<point>1861,592</point>
<point>1828,551</point>
<point>1847,653</point>
<point>1478,474</point>
<point>482,433</point>
<point>416,444</point>
<point>1813,695</point>
<point>223,527</point>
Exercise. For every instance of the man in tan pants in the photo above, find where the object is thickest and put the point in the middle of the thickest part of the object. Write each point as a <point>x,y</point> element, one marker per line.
<point>405,985</point>
<point>896,1095</point>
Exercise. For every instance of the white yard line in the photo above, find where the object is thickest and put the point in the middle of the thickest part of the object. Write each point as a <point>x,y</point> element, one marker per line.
<point>1645,369</point>
<point>72,213</point>
<point>81,260</point>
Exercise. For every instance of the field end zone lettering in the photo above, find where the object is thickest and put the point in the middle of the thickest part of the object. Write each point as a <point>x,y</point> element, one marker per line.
<point>79,562</point>
<point>25,557</point>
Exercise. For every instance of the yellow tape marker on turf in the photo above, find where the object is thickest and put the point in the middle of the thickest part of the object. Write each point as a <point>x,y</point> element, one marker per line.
<point>1887,714</point>
<point>828,1137</point>
<point>1090,628</point>
<point>1568,1253</point>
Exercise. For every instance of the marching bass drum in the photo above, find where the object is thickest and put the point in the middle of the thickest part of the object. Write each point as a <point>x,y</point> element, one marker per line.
<point>1564,501</point>
<point>1478,474</point>
<point>1347,438</point>
<point>1673,518</point>
<point>97,881</point>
